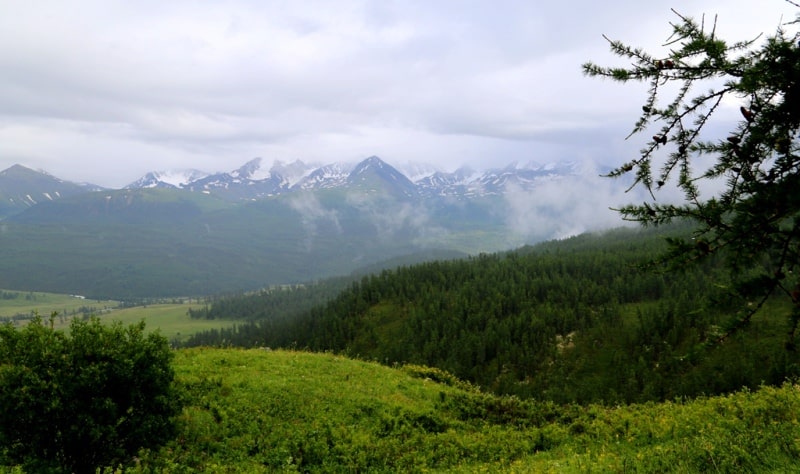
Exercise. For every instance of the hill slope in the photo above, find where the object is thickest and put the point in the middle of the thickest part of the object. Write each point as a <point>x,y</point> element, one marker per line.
<point>267,411</point>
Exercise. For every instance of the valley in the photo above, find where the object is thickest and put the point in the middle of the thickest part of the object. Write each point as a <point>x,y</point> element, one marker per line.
<point>560,357</point>
<point>169,318</point>
<point>232,233</point>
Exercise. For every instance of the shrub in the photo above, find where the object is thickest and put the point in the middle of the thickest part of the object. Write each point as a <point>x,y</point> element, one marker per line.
<point>91,398</point>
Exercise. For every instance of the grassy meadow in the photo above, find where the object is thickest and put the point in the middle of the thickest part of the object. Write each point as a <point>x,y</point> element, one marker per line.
<point>284,411</point>
<point>170,319</point>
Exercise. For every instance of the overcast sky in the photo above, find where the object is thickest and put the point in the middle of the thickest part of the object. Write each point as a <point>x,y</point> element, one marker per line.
<point>105,91</point>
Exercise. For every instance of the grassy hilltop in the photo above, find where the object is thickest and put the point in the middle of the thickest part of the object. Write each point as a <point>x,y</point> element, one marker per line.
<point>265,411</point>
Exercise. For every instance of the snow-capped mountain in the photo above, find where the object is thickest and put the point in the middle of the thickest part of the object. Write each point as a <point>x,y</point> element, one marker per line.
<point>375,175</point>
<point>309,222</point>
<point>328,176</point>
<point>497,181</point>
<point>417,171</point>
<point>292,172</point>
<point>252,170</point>
<point>448,184</point>
<point>250,181</point>
<point>253,180</point>
<point>167,179</point>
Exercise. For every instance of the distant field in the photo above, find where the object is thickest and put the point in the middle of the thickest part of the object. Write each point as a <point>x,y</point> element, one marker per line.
<point>14,303</point>
<point>170,319</point>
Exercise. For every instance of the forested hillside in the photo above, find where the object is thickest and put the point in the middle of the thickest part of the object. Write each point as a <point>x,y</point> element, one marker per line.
<point>572,320</point>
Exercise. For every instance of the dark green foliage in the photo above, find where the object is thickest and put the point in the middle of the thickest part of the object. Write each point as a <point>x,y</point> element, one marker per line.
<point>278,303</point>
<point>754,221</point>
<point>89,399</point>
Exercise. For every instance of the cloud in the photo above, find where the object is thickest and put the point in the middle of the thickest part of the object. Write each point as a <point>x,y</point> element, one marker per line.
<point>396,220</point>
<point>115,86</point>
<point>566,206</point>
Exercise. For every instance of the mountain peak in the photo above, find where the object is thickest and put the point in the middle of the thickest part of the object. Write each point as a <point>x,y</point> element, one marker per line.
<point>17,170</point>
<point>250,170</point>
<point>371,162</point>
<point>372,171</point>
<point>416,171</point>
<point>168,179</point>
<point>255,180</point>
<point>22,187</point>
<point>328,176</point>
<point>293,172</point>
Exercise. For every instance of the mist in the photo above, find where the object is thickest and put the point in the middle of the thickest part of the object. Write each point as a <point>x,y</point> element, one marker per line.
<point>312,213</point>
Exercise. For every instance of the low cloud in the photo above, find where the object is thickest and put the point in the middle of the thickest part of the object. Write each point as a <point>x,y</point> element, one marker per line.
<point>390,218</point>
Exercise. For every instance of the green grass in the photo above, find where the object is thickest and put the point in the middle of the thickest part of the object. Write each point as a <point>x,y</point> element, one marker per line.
<point>284,411</point>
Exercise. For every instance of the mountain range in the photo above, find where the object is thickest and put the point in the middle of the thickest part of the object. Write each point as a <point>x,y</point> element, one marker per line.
<point>194,233</point>
<point>254,181</point>
<point>22,188</point>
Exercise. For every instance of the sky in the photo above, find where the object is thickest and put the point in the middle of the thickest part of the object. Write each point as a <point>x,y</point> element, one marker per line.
<point>105,91</point>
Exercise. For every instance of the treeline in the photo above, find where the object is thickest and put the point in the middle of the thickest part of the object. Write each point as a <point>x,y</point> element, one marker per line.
<point>575,320</point>
<point>287,302</point>
<point>84,311</point>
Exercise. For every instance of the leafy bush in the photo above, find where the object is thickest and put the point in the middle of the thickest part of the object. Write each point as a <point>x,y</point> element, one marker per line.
<point>87,399</point>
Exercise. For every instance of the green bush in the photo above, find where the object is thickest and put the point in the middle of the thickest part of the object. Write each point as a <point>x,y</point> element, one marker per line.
<point>91,398</point>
